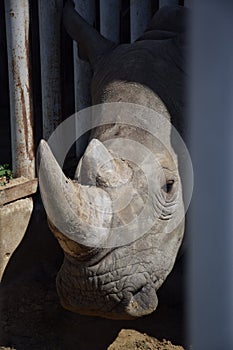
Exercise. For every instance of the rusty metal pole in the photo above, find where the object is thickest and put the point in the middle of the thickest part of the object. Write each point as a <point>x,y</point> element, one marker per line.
<point>110,19</point>
<point>50,13</point>
<point>17,30</point>
<point>140,14</point>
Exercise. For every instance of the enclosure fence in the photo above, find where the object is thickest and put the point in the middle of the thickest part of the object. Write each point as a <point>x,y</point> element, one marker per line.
<point>111,17</point>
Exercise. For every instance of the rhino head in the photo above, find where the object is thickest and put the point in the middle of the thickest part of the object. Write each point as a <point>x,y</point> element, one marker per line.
<point>117,253</point>
<point>119,223</point>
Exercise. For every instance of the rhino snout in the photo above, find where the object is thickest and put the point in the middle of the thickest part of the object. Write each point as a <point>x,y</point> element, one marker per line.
<point>124,298</point>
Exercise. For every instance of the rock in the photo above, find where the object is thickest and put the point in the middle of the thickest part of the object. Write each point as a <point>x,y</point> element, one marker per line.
<point>14,219</point>
<point>131,340</point>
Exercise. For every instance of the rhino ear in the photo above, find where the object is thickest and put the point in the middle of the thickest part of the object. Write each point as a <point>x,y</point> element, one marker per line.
<point>92,44</point>
<point>98,166</point>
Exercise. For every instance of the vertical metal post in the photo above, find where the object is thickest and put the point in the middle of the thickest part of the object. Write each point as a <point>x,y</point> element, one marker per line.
<point>110,19</point>
<point>140,14</point>
<point>17,29</point>
<point>82,70</point>
<point>168,2</point>
<point>211,261</point>
<point>50,13</point>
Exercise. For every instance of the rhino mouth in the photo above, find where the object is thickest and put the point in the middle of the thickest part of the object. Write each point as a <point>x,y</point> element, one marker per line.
<point>81,292</point>
<point>139,304</point>
<point>143,301</point>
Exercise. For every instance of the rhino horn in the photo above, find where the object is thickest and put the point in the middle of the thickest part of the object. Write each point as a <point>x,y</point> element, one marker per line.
<point>81,214</point>
<point>99,166</point>
<point>91,43</point>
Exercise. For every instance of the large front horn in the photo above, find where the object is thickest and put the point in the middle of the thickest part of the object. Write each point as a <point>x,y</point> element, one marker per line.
<point>80,213</point>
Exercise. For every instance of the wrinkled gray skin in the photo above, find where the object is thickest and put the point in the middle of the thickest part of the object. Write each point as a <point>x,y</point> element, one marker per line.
<point>121,282</point>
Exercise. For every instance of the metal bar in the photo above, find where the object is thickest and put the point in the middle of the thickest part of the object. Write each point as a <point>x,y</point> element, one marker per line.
<point>50,13</point>
<point>188,3</point>
<point>82,70</point>
<point>110,19</point>
<point>168,2</point>
<point>17,29</point>
<point>211,260</point>
<point>140,14</point>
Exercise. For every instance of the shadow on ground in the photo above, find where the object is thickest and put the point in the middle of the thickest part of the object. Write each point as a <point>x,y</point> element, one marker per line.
<point>32,318</point>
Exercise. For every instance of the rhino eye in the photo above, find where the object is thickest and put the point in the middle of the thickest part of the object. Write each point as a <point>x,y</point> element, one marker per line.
<point>168,186</point>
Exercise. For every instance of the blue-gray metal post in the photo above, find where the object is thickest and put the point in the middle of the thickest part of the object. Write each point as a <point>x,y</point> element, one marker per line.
<point>140,15</point>
<point>168,2</point>
<point>211,261</point>
<point>82,70</point>
<point>110,19</point>
<point>50,13</point>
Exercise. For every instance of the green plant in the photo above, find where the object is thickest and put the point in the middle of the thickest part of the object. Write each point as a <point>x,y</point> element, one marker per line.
<point>5,174</point>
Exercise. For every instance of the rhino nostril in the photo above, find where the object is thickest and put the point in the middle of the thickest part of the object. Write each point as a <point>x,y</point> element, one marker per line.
<point>138,290</point>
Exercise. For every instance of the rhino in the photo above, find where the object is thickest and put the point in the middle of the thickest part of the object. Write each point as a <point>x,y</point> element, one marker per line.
<point>99,275</point>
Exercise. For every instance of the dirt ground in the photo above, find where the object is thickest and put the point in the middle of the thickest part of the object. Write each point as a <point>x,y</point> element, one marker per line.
<point>133,340</point>
<point>31,317</point>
